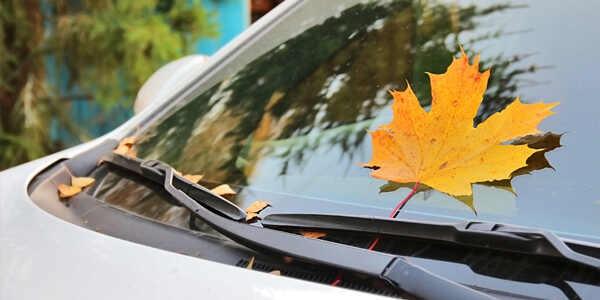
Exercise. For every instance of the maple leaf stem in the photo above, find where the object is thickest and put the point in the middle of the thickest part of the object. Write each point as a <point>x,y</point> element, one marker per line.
<point>401,204</point>
<point>393,214</point>
<point>337,280</point>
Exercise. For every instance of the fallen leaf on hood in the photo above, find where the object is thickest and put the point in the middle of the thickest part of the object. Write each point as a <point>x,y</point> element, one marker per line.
<point>275,272</point>
<point>254,208</point>
<point>250,216</point>
<point>257,206</point>
<point>440,148</point>
<point>223,189</point>
<point>66,191</point>
<point>193,178</point>
<point>125,147</point>
<point>250,263</point>
<point>121,149</point>
<point>77,184</point>
<point>131,153</point>
<point>82,182</point>
<point>313,234</point>
<point>128,141</point>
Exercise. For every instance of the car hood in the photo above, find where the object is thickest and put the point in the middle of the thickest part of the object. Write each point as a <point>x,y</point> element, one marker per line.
<point>44,257</point>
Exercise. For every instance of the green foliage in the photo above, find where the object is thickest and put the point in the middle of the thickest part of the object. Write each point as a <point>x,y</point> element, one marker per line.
<point>55,51</point>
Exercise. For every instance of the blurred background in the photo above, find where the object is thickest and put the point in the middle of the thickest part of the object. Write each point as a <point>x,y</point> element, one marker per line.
<point>70,69</point>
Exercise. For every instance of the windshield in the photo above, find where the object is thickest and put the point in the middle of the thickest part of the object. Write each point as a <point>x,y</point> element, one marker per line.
<point>287,117</point>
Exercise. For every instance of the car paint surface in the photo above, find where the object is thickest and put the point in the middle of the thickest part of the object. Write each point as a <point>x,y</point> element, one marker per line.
<point>44,257</point>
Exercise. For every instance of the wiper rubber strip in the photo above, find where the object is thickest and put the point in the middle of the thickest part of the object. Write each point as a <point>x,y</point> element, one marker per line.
<point>508,238</point>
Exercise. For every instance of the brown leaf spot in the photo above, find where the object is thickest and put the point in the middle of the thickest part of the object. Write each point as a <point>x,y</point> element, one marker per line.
<point>443,165</point>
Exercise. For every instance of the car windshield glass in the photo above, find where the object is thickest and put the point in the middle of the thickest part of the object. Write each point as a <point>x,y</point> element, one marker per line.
<point>289,114</point>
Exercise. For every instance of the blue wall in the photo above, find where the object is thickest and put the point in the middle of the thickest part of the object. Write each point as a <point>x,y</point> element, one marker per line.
<point>232,17</point>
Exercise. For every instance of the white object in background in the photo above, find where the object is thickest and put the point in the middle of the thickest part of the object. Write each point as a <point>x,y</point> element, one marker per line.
<point>168,80</point>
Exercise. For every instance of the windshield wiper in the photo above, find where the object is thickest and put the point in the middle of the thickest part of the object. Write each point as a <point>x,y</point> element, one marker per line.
<point>396,270</point>
<point>507,238</point>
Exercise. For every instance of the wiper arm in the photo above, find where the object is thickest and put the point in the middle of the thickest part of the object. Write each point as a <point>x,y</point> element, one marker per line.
<point>396,270</point>
<point>493,236</point>
<point>210,200</point>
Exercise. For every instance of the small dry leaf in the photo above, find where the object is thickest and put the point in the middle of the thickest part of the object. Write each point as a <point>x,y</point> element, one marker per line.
<point>250,263</point>
<point>66,191</point>
<point>121,150</point>
<point>82,182</point>
<point>275,272</point>
<point>131,153</point>
<point>193,178</point>
<point>254,208</point>
<point>313,234</point>
<point>128,141</point>
<point>257,206</point>
<point>223,189</point>
<point>126,147</point>
<point>250,216</point>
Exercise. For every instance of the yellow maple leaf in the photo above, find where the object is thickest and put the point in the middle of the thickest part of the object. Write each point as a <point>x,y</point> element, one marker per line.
<point>441,148</point>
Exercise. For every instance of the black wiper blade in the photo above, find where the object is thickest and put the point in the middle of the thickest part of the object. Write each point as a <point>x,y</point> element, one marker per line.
<point>396,270</point>
<point>493,236</point>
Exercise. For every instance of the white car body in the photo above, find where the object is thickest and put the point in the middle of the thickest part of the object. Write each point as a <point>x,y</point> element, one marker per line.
<point>45,257</point>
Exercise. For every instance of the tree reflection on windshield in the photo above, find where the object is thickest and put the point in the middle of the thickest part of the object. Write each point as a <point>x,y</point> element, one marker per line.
<point>317,94</point>
<point>325,87</point>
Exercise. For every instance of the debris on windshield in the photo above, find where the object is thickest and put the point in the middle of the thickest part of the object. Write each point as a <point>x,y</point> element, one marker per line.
<point>223,189</point>
<point>313,234</point>
<point>82,182</point>
<point>255,208</point>
<point>250,263</point>
<point>193,178</point>
<point>441,148</point>
<point>129,141</point>
<point>125,147</point>
<point>77,184</point>
<point>67,191</point>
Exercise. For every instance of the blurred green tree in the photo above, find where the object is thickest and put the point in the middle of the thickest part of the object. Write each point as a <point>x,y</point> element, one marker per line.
<point>54,51</point>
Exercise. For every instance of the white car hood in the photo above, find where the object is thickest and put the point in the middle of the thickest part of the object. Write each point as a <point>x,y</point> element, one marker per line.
<point>44,257</point>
